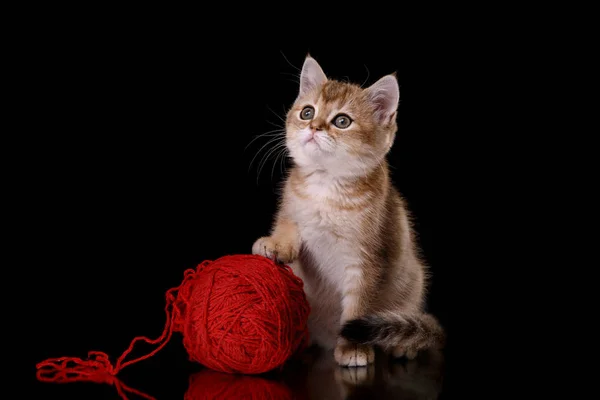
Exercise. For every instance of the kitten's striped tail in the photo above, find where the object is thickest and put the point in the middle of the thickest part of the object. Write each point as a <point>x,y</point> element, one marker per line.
<point>390,330</point>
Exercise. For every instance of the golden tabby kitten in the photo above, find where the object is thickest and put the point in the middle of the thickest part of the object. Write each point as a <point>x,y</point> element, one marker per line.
<point>343,227</point>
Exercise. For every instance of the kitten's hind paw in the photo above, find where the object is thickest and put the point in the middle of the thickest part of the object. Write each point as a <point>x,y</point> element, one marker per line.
<point>279,250</point>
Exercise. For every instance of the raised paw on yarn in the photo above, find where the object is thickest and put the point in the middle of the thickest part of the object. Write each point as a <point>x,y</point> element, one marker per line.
<point>283,251</point>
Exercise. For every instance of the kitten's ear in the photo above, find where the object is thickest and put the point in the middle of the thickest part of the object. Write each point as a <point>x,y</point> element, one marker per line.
<point>385,96</point>
<point>312,76</point>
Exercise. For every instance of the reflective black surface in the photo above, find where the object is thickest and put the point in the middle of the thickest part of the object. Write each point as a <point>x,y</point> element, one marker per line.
<point>314,376</point>
<point>322,378</point>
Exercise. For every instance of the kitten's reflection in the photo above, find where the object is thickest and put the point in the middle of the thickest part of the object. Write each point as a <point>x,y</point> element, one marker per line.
<point>420,378</point>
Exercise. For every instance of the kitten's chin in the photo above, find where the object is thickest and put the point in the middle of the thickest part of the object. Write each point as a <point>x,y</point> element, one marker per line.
<point>311,147</point>
<point>306,154</point>
<point>313,152</point>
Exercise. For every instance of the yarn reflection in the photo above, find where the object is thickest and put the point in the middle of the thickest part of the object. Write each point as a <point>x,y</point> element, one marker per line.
<point>322,378</point>
<point>208,385</point>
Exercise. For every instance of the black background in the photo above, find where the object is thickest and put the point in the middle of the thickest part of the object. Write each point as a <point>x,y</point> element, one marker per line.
<point>134,167</point>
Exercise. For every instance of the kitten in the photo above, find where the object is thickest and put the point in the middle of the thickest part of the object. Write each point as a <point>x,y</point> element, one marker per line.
<point>343,227</point>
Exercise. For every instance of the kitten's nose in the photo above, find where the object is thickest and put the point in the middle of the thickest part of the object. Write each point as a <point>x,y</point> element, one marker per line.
<point>314,128</point>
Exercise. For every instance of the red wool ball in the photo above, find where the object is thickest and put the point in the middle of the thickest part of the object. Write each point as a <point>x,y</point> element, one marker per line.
<point>242,314</point>
<point>238,314</point>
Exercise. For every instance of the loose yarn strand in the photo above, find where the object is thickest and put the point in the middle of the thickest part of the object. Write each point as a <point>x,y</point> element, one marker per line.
<point>98,366</point>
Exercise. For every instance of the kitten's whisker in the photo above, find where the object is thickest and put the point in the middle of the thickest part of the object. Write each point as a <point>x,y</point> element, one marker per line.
<point>276,125</point>
<point>275,132</point>
<point>288,61</point>
<point>265,158</point>
<point>367,78</point>
<point>277,115</point>
<point>275,139</point>
<point>274,164</point>
<point>328,143</point>
<point>283,162</point>
<point>276,142</point>
<point>280,130</point>
<point>379,159</point>
<point>295,78</point>
<point>277,156</point>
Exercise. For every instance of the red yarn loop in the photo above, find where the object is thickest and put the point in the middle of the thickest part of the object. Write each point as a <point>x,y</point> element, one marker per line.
<point>238,314</point>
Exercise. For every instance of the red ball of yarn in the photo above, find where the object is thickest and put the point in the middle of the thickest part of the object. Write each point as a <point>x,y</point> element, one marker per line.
<point>242,314</point>
<point>210,385</point>
<point>238,314</point>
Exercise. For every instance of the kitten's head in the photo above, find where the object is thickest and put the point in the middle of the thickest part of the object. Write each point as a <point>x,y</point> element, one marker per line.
<point>340,127</point>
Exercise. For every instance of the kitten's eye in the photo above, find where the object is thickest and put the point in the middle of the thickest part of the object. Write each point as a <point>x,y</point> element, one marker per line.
<point>342,121</point>
<point>307,113</point>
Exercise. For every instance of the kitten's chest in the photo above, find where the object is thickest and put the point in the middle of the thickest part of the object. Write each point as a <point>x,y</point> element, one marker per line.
<point>326,226</point>
<point>318,213</point>
<point>330,235</point>
<point>320,221</point>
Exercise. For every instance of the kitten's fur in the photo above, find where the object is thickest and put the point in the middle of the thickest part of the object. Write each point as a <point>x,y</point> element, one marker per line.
<point>344,228</point>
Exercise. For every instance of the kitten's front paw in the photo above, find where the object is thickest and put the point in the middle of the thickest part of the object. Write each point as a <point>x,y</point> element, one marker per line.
<point>284,251</point>
<point>353,355</point>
